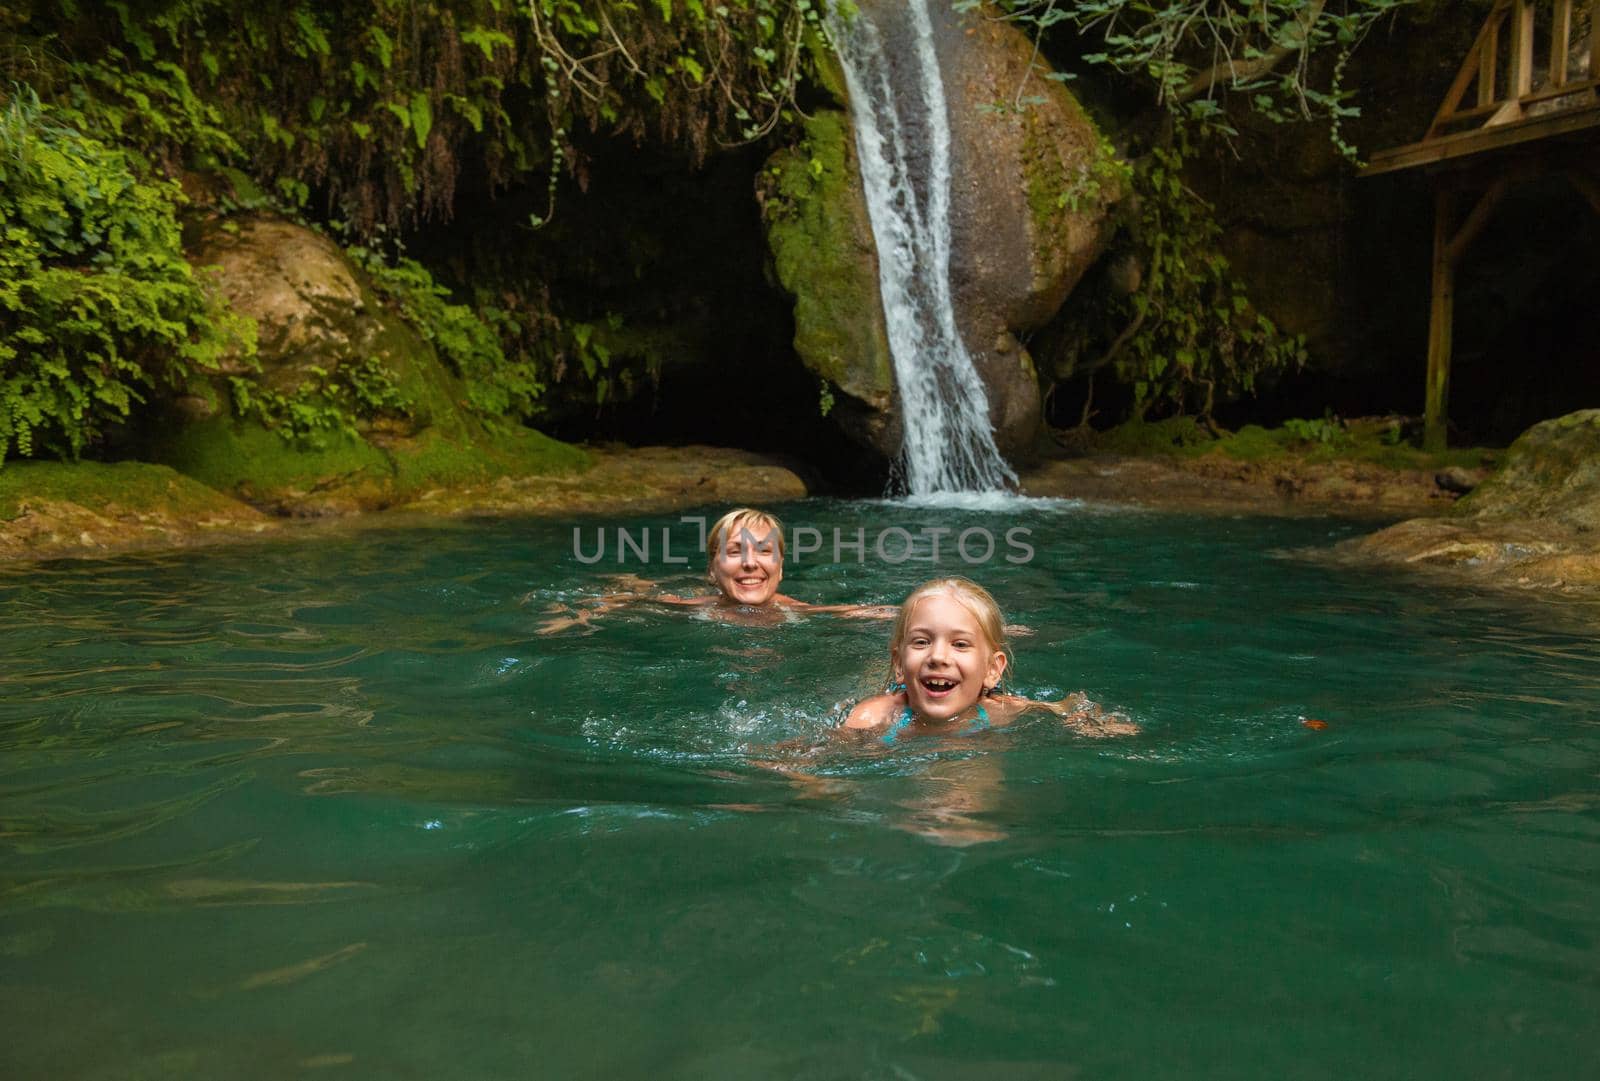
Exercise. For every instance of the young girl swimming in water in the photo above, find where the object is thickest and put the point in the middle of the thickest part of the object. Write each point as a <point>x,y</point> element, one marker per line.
<point>744,560</point>
<point>947,655</point>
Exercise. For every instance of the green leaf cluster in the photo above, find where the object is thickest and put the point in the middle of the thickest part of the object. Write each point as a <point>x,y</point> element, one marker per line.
<point>1195,54</point>
<point>498,386</point>
<point>97,305</point>
<point>1193,334</point>
<point>326,404</point>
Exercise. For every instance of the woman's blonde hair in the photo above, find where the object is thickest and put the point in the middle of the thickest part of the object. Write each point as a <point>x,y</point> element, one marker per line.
<point>758,523</point>
<point>971,596</point>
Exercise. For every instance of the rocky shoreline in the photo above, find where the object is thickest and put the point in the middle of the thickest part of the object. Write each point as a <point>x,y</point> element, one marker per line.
<point>91,510</point>
<point>1532,525</point>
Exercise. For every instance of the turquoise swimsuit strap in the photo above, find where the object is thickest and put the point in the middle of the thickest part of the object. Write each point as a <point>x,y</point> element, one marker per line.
<point>979,723</point>
<point>894,729</point>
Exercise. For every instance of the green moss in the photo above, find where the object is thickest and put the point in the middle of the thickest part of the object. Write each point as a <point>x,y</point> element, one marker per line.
<point>248,461</point>
<point>257,466</point>
<point>1056,191</point>
<point>822,250</point>
<point>1253,443</point>
<point>434,461</point>
<point>134,487</point>
<point>1176,436</point>
<point>1183,437</point>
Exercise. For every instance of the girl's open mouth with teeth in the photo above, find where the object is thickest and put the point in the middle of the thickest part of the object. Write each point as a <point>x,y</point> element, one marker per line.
<point>937,685</point>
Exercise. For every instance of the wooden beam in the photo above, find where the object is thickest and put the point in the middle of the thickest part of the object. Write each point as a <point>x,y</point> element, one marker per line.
<point>1594,39</point>
<point>1441,321</point>
<point>1470,66</point>
<point>1487,59</point>
<point>1560,41</point>
<point>1569,90</point>
<point>1521,74</point>
<point>1481,140</point>
<point>1476,220</point>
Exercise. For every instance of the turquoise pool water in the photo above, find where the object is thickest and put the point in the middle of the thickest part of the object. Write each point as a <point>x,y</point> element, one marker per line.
<point>332,808</point>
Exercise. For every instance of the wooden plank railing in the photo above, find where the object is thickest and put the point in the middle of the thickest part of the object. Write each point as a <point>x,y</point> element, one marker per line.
<point>1502,65</point>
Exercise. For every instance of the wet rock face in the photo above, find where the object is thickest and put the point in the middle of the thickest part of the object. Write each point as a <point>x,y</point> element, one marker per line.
<point>823,254</point>
<point>1032,183</point>
<point>1029,199</point>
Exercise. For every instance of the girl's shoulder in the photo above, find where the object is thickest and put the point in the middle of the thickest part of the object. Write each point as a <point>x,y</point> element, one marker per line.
<point>875,712</point>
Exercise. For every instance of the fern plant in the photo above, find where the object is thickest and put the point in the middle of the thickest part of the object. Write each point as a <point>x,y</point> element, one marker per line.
<point>97,305</point>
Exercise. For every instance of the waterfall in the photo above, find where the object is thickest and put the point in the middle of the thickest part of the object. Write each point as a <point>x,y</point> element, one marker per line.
<point>902,134</point>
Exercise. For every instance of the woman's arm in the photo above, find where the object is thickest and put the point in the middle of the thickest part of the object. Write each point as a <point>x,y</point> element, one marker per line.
<point>633,590</point>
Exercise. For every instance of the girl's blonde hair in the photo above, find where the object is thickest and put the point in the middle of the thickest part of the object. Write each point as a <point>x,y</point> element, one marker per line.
<point>758,523</point>
<point>971,596</point>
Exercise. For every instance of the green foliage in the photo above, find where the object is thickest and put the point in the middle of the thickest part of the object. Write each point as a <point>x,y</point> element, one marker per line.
<point>497,386</point>
<point>1105,173</point>
<point>97,305</point>
<point>1325,430</point>
<point>1192,333</point>
<point>825,402</point>
<point>326,404</point>
<point>692,70</point>
<point>1195,52</point>
<point>378,106</point>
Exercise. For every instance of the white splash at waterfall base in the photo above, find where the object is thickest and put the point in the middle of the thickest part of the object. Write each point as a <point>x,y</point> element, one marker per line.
<point>902,134</point>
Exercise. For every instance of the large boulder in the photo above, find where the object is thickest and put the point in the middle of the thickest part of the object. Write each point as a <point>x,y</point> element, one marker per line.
<point>823,254</point>
<point>1551,473</point>
<point>1535,523</point>
<point>1032,186</point>
<point>328,346</point>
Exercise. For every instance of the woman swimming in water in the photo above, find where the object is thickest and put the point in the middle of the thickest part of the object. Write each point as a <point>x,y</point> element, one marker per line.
<point>744,560</point>
<point>948,654</point>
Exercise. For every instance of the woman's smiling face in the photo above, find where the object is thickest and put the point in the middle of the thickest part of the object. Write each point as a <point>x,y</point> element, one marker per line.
<point>944,659</point>
<point>748,567</point>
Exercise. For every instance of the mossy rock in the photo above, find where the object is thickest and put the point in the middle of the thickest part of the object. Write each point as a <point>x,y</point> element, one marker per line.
<point>110,487</point>
<point>1551,472</point>
<point>319,318</point>
<point>824,256</point>
<point>82,508</point>
<point>1370,441</point>
<point>348,474</point>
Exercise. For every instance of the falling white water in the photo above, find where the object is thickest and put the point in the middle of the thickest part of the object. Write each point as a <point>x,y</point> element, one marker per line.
<point>903,139</point>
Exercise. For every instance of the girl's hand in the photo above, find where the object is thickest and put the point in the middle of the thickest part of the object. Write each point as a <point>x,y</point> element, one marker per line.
<point>1084,716</point>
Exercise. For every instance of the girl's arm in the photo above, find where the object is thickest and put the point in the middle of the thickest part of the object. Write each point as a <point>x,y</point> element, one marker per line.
<point>1077,711</point>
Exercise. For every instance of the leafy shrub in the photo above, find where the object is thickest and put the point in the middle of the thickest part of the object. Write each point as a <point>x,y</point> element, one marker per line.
<point>1326,430</point>
<point>97,305</point>
<point>327,403</point>
<point>1193,335</point>
<point>497,386</point>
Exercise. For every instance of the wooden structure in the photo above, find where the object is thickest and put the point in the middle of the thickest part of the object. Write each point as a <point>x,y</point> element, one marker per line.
<point>1525,104</point>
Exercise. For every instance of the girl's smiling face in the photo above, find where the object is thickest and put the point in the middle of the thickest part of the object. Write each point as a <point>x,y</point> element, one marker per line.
<point>748,567</point>
<point>944,659</point>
